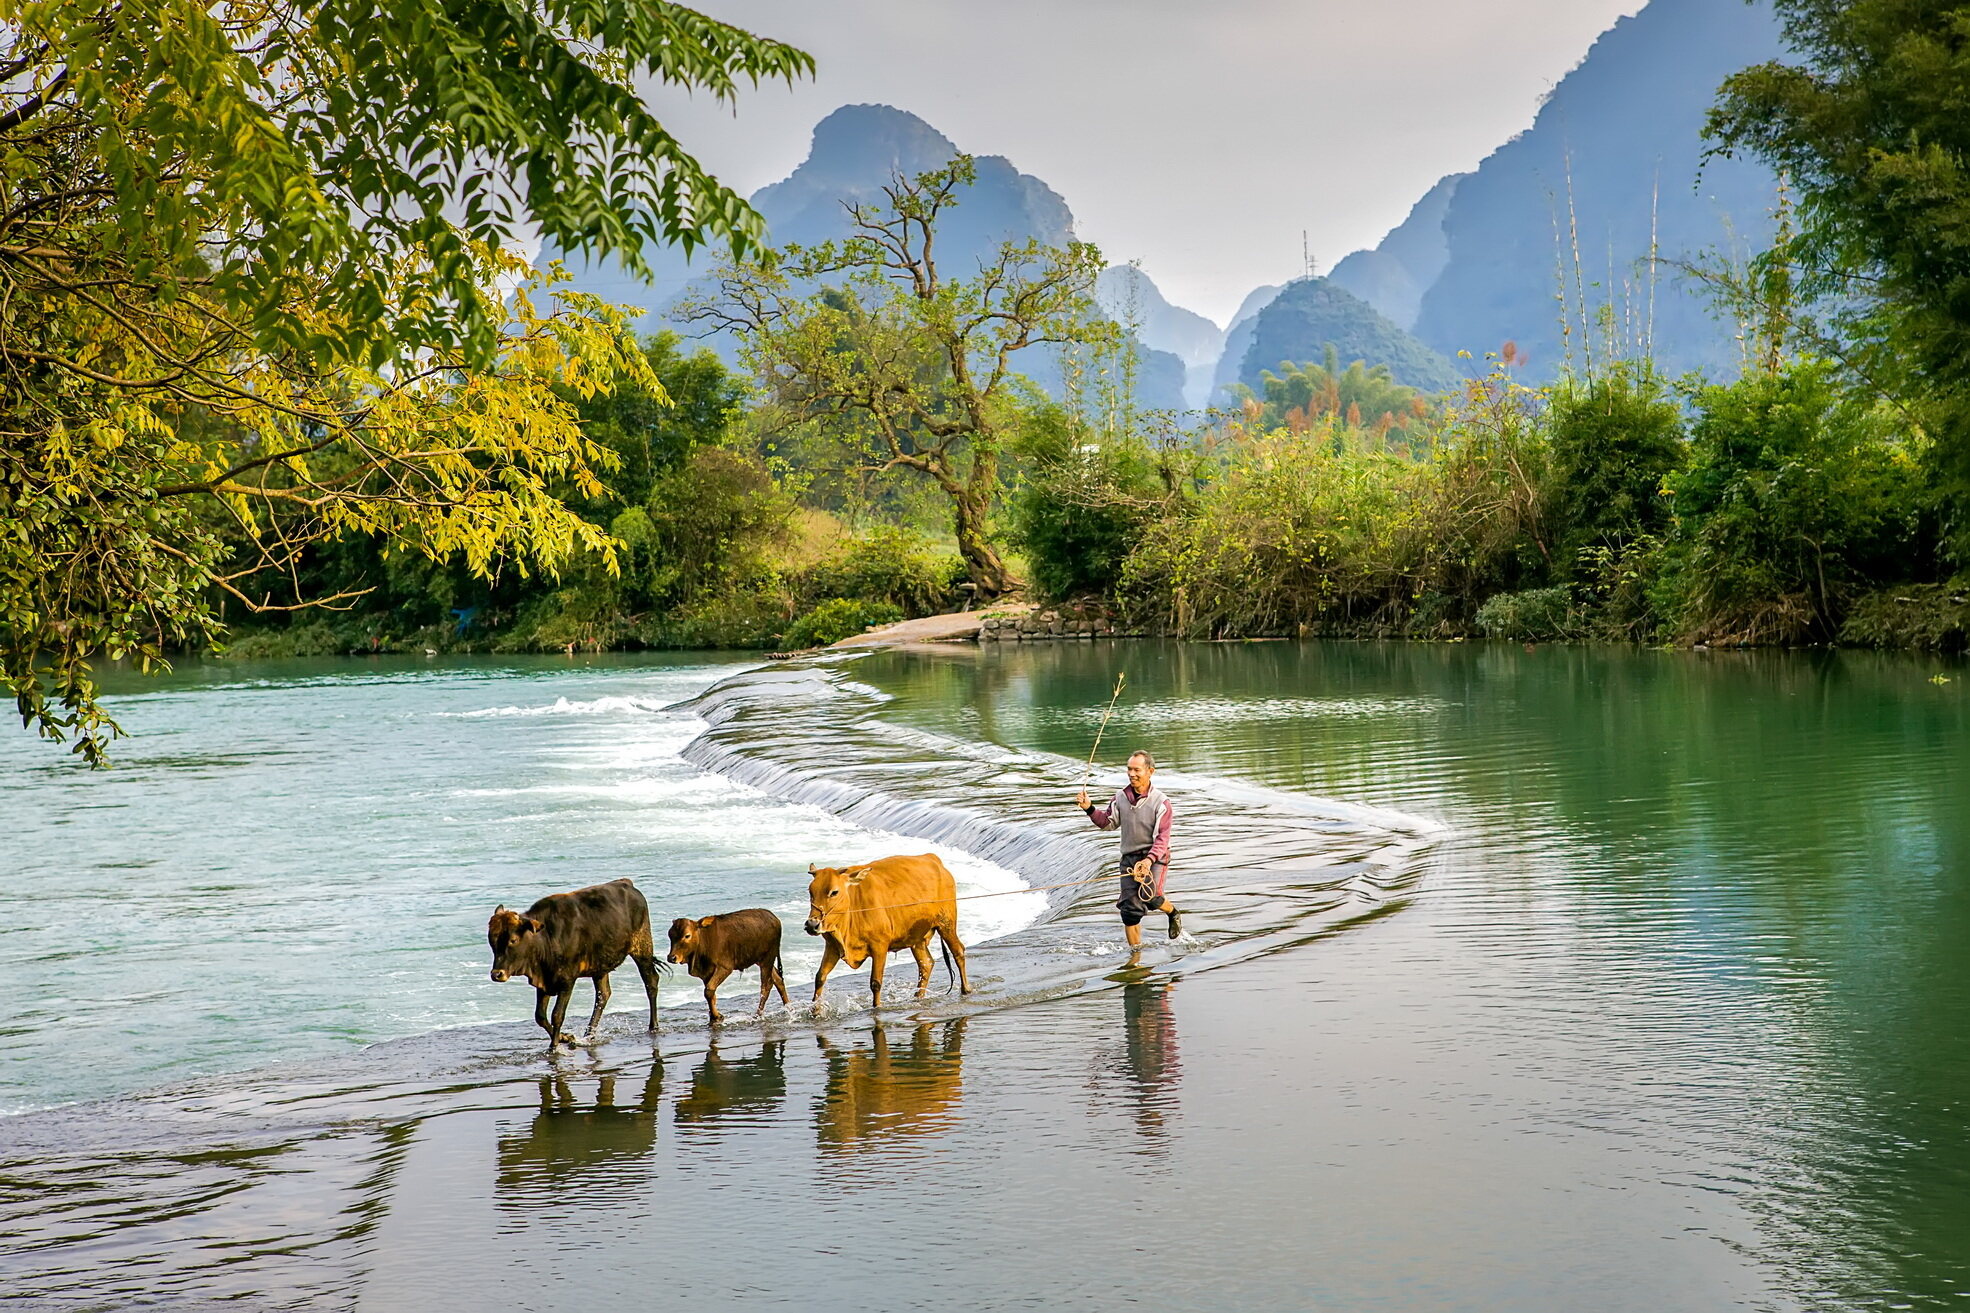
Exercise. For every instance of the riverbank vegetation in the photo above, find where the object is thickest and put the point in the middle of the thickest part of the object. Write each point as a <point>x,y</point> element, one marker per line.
<point>238,416</point>
<point>1620,507</point>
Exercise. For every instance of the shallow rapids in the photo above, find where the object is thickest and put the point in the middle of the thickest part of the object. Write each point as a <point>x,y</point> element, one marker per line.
<point>1255,870</point>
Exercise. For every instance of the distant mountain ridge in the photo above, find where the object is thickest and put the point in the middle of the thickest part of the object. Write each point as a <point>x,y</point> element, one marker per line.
<point>1615,155</point>
<point>1394,276</point>
<point>1128,296</point>
<point>1613,166</point>
<point>1183,358</point>
<point>1309,314</point>
<point>859,148</point>
<point>856,150</point>
<point>1611,163</point>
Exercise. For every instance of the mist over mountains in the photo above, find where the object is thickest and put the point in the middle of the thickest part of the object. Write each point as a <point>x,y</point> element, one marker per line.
<point>1611,168</point>
<point>1129,297</point>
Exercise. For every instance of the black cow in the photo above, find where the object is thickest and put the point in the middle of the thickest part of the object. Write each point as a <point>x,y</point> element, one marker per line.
<point>564,937</point>
<point>713,947</point>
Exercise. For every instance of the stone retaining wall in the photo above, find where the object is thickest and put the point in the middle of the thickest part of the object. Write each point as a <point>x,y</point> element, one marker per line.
<point>1049,626</point>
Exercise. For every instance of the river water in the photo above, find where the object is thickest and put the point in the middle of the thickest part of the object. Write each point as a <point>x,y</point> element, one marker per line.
<point>1545,979</point>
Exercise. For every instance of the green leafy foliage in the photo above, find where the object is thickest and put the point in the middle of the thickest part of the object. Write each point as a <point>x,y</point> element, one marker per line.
<point>653,430</point>
<point>1325,528</point>
<point>1538,615</point>
<point>261,154</point>
<point>836,619</point>
<point>1870,126</point>
<point>131,511</point>
<point>1310,314</point>
<point>1795,493</point>
<point>1935,617</point>
<point>1082,504</point>
<point>1616,439</point>
<point>1302,396</point>
<point>750,618</point>
<point>890,564</point>
<point>712,526</point>
<point>262,294</point>
<point>690,522</point>
<point>1289,534</point>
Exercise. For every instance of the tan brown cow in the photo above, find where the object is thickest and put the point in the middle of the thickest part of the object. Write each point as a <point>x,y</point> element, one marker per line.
<point>865,913</point>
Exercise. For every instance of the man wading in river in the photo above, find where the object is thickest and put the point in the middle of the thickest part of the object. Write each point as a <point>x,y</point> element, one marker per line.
<point>1142,814</point>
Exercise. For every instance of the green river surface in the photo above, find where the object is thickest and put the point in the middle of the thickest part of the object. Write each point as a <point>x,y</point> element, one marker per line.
<point>1515,980</point>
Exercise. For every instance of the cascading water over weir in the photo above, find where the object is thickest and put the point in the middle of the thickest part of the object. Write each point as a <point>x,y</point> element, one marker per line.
<point>1255,870</point>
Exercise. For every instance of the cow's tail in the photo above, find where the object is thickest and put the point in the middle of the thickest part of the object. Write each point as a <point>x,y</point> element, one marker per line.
<point>643,944</point>
<point>950,972</point>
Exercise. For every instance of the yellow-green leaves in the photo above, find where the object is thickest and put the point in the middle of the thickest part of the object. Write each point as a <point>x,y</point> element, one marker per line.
<point>140,515</point>
<point>251,148</point>
<point>256,264</point>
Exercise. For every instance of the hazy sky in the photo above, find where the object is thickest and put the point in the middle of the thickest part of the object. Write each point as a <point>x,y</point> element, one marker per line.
<point>1198,138</point>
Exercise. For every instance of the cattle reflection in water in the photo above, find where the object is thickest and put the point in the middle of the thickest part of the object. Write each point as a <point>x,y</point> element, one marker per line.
<point>883,1093</point>
<point>737,1088</point>
<point>571,1141</point>
<point>1144,1063</point>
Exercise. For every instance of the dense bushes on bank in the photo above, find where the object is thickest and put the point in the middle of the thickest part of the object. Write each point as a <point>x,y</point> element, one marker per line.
<point>1082,504</point>
<point>758,599</point>
<point>1795,498</point>
<point>1763,511</point>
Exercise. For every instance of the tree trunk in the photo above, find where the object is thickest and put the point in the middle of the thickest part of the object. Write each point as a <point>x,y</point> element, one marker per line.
<point>988,572</point>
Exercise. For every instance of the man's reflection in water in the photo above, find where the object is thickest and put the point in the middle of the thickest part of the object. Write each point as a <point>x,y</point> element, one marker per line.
<point>571,1140</point>
<point>1145,1063</point>
<point>737,1088</point>
<point>882,1093</point>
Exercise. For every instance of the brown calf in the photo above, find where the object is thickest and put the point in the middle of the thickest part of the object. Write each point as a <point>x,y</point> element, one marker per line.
<point>713,947</point>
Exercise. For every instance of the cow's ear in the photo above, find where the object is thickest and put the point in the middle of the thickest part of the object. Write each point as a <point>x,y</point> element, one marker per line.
<point>707,921</point>
<point>529,923</point>
<point>499,909</point>
<point>855,876</point>
<point>812,868</point>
